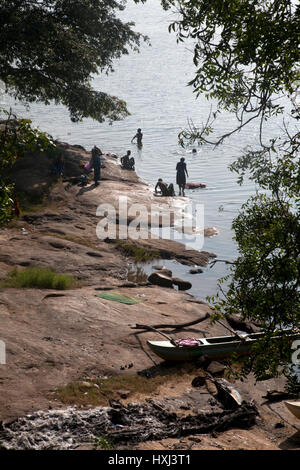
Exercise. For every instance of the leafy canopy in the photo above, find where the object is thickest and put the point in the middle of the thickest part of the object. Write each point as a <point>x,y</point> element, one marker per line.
<point>50,49</point>
<point>247,55</point>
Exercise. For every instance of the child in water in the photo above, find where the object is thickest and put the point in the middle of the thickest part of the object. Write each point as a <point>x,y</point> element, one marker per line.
<point>138,136</point>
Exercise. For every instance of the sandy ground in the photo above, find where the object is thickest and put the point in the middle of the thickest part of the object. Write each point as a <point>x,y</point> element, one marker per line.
<point>56,337</point>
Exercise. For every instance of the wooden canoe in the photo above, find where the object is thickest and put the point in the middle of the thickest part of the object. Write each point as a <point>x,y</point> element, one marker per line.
<point>293,407</point>
<point>219,346</point>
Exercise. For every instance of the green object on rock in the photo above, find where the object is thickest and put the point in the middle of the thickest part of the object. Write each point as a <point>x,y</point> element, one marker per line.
<point>123,299</point>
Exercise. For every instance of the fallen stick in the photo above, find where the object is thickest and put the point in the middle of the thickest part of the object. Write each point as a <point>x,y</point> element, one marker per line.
<point>164,424</point>
<point>151,328</point>
<point>233,332</point>
<point>277,395</point>
<point>212,263</point>
<point>177,326</point>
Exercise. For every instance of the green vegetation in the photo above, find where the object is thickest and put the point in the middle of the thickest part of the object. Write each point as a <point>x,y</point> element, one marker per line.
<point>293,385</point>
<point>77,393</point>
<point>103,442</point>
<point>50,51</point>
<point>247,56</point>
<point>17,138</point>
<point>39,278</point>
<point>138,253</point>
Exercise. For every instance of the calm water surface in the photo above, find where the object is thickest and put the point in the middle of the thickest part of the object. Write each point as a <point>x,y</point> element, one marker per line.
<point>154,85</point>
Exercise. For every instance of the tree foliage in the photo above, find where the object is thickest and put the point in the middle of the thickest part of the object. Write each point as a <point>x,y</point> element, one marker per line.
<point>50,50</point>
<point>247,57</point>
<point>265,278</point>
<point>17,138</point>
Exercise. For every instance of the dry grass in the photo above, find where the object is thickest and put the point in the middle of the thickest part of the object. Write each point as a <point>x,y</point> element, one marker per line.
<point>77,393</point>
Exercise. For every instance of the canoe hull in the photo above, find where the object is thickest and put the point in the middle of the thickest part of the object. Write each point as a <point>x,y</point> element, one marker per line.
<point>214,347</point>
<point>173,353</point>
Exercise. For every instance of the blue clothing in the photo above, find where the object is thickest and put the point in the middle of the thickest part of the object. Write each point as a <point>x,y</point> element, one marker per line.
<point>57,168</point>
<point>181,171</point>
<point>96,164</point>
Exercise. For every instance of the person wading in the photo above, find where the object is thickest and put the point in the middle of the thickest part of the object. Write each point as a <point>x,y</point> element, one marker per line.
<point>180,176</point>
<point>138,136</point>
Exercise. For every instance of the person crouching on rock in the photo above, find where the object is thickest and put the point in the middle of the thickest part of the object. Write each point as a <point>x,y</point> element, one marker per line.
<point>166,190</point>
<point>95,163</point>
<point>126,162</point>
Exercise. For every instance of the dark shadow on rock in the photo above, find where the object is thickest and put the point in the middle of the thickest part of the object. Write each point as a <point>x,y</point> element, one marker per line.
<point>136,334</point>
<point>283,420</point>
<point>291,443</point>
<point>187,330</point>
<point>160,369</point>
<point>85,189</point>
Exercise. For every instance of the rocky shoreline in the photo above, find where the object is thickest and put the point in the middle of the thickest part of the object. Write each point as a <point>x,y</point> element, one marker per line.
<point>58,337</point>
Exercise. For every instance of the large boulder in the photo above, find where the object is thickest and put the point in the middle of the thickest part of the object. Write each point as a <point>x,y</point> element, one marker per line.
<point>165,272</point>
<point>216,369</point>
<point>196,271</point>
<point>181,284</point>
<point>160,279</point>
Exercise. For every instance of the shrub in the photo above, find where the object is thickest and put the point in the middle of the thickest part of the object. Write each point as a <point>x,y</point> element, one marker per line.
<point>39,278</point>
<point>138,253</point>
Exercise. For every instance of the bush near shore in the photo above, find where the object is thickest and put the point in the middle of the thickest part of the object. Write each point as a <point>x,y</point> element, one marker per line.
<point>39,278</point>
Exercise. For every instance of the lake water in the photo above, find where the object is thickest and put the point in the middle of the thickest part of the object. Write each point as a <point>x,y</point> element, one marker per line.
<point>154,85</point>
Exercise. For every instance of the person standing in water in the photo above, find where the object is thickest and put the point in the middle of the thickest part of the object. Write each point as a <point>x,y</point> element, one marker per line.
<point>180,176</point>
<point>138,136</point>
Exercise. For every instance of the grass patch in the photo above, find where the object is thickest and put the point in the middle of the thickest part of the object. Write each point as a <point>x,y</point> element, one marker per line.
<point>39,278</point>
<point>77,393</point>
<point>138,253</point>
<point>103,443</point>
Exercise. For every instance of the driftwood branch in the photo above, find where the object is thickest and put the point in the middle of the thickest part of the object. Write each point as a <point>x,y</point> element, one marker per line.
<point>165,424</point>
<point>176,326</point>
<point>151,328</point>
<point>277,395</point>
<point>212,263</point>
